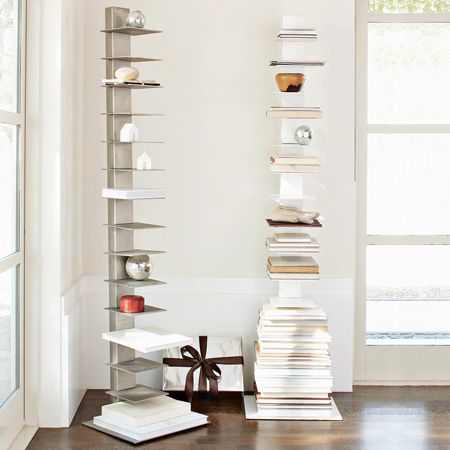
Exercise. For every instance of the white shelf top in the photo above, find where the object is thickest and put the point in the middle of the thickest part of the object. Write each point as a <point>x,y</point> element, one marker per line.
<point>134,193</point>
<point>148,339</point>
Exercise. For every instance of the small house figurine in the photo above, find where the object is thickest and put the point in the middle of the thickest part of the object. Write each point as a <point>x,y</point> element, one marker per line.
<point>144,162</point>
<point>129,133</point>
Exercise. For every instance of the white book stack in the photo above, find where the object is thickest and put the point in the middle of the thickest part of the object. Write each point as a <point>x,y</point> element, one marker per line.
<point>150,419</point>
<point>293,366</point>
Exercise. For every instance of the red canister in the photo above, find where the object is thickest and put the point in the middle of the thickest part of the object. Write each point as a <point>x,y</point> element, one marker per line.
<point>132,303</point>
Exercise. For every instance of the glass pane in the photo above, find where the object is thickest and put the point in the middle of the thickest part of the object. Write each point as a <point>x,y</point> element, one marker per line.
<point>409,72</point>
<point>9,55</point>
<point>409,6</point>
<point>9,345</point>
<point>408,294</point>
<point>8,189</point>
<point>408,184</point>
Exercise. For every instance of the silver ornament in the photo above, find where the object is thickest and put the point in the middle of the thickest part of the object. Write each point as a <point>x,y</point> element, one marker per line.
<point>135,19</point>
<point>303,135</point>
<point>139,267</point>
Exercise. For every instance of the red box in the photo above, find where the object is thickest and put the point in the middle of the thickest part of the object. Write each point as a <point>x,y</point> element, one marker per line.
<point>131,304</point>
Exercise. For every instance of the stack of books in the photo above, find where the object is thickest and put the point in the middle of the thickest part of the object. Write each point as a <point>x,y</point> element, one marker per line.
<point>149,419</point>
<point>297,33</point>
<point>294,164</point>
<point>291,244</point>
<point>294,112</point>
<point>293,365</point>
<point>292,268</point>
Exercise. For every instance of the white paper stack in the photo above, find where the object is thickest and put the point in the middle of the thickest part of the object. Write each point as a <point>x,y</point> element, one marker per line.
<point>150,419</point>
<point>293,366</point>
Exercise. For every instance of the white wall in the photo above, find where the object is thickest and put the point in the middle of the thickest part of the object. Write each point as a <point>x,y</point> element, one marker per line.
<point>217,87</point>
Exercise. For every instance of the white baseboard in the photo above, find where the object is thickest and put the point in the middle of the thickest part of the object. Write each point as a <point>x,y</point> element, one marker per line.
<point>24,438</point>
<point>73,354</point>
<point>401,383</point>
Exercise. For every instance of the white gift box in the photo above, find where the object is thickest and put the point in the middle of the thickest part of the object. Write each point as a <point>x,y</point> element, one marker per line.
<point>232,378</point>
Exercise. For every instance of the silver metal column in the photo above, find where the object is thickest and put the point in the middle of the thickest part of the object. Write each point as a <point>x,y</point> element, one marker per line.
<point>119,211</point>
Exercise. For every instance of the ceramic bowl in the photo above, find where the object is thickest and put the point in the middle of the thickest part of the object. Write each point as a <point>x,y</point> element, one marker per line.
<point>290,82</point>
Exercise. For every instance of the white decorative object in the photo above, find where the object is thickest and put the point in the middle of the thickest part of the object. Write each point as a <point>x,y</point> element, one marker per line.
<point>144,162</point>
<point>126,73</point>
<point>129,133</point>
<point>293,215</point>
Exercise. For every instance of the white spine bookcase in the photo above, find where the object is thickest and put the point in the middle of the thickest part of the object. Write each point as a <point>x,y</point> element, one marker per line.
<point>295,57</point>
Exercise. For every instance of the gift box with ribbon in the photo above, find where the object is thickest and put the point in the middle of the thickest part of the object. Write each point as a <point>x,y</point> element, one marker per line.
<point>212,364</point>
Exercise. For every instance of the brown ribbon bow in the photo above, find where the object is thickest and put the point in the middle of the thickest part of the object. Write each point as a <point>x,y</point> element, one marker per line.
<point>209,368</point>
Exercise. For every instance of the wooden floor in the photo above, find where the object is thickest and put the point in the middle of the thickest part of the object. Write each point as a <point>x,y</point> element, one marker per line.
<point>379,418</point>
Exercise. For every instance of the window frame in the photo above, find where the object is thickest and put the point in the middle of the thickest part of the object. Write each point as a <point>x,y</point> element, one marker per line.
<point>370,360</point>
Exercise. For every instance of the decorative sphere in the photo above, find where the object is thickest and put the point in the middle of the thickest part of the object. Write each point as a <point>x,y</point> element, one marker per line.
<point>126,73</point>
<point>303,135</point>
<point>135,19</point>
<point>139,267</point>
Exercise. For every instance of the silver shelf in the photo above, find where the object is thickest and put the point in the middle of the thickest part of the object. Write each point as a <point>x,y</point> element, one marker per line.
<point>297,63</point>
<point>130,58</point>
<point>131,31</point>
<point>130,283</point>
<point>147,310</point>
<point>132,114</point>
<point>135,252</point>
<point>133,142</point>
<point>136,394</point>
<point>137,365</point>
<point>133,169</point>
<point>131,86</point>
<point>134,226</point>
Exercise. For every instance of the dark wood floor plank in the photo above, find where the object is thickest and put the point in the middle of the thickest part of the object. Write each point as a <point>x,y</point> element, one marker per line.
<point>378,418</point>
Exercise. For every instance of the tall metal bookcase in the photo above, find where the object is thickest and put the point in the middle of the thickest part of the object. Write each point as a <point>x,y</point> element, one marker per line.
<point>121,224</point>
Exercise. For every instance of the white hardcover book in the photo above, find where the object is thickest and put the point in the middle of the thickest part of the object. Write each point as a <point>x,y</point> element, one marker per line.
<point>299,160</point>
<point>266,308</point>
<point>147,412</point>
<point>295,372</point>
<point>292,407</point>
<point>162,428</point>
<point>148,339</point>
<point>293,276</point>
<point>293,261</point>
<point>272,243</point>
<point>295,391</point>
<point>133,193</point>
<point>292,237</point>
<point>291,302</point>
<point>294,168</point>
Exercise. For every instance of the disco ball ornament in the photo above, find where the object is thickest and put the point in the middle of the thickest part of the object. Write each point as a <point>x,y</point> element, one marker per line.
<point>139,267</point>
<point>135,19</point>
<point>303,135</point>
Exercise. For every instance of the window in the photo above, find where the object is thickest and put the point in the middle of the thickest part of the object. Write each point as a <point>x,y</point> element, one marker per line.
<point>11,197</point>
<point>407,169</point>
